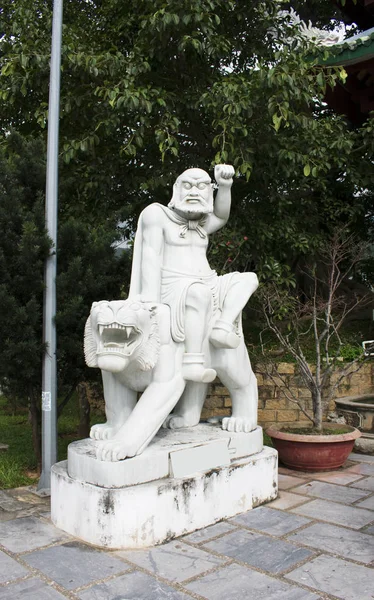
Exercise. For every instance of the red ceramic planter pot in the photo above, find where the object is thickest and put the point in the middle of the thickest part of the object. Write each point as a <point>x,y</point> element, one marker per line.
<point>313,452</point>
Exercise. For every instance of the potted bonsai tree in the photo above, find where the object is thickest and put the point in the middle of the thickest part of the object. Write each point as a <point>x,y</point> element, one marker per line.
<point>313,318</point>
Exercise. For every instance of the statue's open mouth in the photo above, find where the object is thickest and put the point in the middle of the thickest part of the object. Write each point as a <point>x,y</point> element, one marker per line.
<point>116,338</point>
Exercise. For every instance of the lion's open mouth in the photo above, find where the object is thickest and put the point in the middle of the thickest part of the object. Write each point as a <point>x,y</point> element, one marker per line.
<point>117,338</point>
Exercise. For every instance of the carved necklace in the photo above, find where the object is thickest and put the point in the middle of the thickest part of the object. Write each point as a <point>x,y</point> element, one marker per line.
<point>186,224</point>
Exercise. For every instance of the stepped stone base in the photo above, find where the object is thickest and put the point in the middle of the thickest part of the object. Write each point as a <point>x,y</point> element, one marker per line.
<point>204,477</point>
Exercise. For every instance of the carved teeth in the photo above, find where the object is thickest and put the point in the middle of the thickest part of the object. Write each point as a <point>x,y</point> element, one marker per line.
<point>128,329</point>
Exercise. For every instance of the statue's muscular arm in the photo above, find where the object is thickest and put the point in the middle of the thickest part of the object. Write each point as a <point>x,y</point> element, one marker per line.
<point>222,204</point>
<point>152,252</point>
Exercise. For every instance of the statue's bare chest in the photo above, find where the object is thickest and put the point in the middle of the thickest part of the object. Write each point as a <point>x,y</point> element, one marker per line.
<point>180,235</point>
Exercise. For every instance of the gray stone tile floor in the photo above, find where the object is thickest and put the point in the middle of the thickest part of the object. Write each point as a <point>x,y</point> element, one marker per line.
<point>314,542</point>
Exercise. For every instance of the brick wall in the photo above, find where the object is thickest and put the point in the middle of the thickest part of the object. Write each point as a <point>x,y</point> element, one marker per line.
<point>273,406</point>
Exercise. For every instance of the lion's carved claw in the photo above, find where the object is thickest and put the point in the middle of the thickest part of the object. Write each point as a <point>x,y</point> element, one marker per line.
<point>113,451</point>
<point>238,424</point>
<point>103,431</point>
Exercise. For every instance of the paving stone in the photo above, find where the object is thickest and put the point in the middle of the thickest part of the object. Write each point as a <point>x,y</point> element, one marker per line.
<point>286,482</point>
<point>340,477</point>
<point>203,535</point>
<point>74,564</point>
<point>9,503</point>
<point>174,561</point>
<point>133,586</point>
<point>363,469</point>
<point>29,533</point>
<point>293,473</point>
<point>368,458</point>
<point>237,582</point>
<point>331,491</point>
<point>368,503</point>
<point>339,514</point>
<point>337,577</point>
<point>287,500</point>
<point>28,495</point>
<point>259,550</point>
<point>370,530</point>
<point>10,569</point>
<point>365,484</point>
<point>269,520</point>
<point>7,516</point>
<point>30,589</point>
<point>348,544</point>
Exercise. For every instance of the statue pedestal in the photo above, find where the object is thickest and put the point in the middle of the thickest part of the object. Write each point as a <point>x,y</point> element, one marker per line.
<point>185,480</point>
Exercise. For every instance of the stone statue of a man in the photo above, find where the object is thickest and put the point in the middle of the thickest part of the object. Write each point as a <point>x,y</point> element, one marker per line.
<point>170,266</point>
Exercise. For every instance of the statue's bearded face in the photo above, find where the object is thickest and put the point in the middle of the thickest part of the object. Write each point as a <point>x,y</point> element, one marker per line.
<point>193,193</point>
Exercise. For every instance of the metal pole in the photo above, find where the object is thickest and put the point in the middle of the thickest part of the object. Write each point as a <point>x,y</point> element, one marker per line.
<point>49,381</point>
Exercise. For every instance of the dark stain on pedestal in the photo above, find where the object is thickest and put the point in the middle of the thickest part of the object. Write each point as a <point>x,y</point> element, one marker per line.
<point>107,503</point>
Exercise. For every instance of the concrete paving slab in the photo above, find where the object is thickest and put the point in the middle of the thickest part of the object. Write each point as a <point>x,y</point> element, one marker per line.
<point>337,577</point>
<point>364,484</point>
<point>260,551</point>
<point>30,589</point>
<point>237,582</point>
<point>366,458</point>
<point>285,482</point>
<point>29,533</point>
<point>133,586</point>
<point>174,561</point>
<point>10,569</point>
<point>369,530</point>
<point>368,503</point>
<point>287,500</point>
<point>340,477</point>
<point>8,503</point>
<point>331,491</point>
<point>269,520</point>
<point>337,540</point>
<point>338,514</point>
<point>28,495</point>
<point>204,535</point>
<point>363,469</point>
<point>73,565</point>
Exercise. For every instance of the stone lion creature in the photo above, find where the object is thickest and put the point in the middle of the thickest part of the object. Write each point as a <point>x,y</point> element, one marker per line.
<point>130,342</point>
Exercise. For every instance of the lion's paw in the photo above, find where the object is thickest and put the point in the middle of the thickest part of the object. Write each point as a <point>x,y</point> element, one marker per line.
<point>113,451</point>
<point>102,431</point>
<point>238,424</point>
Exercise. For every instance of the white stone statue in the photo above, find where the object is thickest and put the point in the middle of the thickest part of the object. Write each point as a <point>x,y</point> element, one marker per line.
<point>180,327</point>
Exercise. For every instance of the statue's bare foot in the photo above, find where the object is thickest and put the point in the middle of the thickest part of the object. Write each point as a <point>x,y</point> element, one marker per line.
<point>103,431</point>
<point>224,336</point>
<point>238,424</point>
<point>114,450</point>
<point>177,422</point>
<point>198,373</point>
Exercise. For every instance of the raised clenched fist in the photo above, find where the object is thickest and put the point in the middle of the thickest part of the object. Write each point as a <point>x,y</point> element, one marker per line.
<point>223,174</point>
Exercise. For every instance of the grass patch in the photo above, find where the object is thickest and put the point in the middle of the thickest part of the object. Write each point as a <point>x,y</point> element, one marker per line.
<point>18,463</point>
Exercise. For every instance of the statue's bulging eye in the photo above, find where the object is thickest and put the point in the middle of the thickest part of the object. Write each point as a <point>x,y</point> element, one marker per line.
<point>187,186</point>
<point>201,186</point>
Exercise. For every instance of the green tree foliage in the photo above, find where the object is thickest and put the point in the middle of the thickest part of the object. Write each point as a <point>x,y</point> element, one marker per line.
<point>152,87</point>
<point>88,269</point>
<point>24,246</point>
